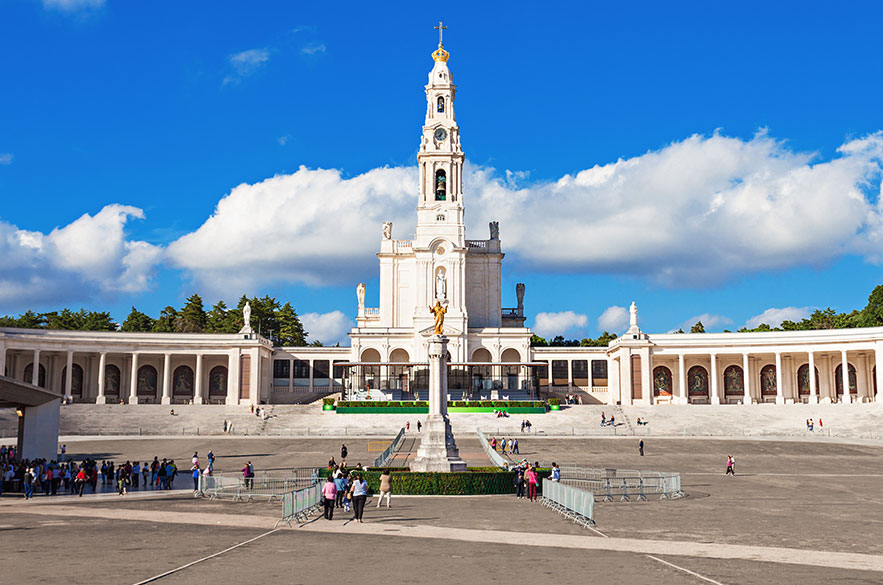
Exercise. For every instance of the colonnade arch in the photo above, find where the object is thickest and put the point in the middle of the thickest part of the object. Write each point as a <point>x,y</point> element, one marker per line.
<point>853,380</point>
<point>147,382</point>
<point>41,375</point>
<point>697,383</point>
<point>662,382</point>
<point>76,389</point>
<point>217,382</point>
<point>803,380</point>
<point>182,382</point>
<point>734,382</point>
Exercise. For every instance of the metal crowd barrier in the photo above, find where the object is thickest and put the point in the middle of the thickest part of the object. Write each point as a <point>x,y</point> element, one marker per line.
<point>496,458</point>
<point>623,484</point>
<point>266,484</point>
<point>300,504</point>
<point>387,454</point>
<point>569,501</point>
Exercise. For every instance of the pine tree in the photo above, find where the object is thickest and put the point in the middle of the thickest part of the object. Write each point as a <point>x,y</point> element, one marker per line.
<point>167,321</point>
<point>291,330</point>
<point>193,318</point>
<point>697,328</point>
<point>872,314</point>
<point>137,322</point>
<point>97,321</point>
<point>220,319</point>
<point>65,319</point>
<point>30,320</point>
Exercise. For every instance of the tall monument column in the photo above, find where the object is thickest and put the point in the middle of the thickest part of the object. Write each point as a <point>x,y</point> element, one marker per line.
<point>438,451</point>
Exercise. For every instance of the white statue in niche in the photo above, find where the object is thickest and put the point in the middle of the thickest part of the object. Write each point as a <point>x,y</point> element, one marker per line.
<point>633,317</point>
<point>387,230</point>
<point>360,294</point>
<point>440,285</point>
<point>246,314</point>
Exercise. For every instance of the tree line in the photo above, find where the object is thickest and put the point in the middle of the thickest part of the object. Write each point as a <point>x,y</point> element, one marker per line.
<point>277,322</point>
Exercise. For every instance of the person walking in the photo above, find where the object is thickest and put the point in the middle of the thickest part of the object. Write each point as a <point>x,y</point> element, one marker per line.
<point>419,426</point>
<point>556,472</point>
<point>28,482</point>
<point>731,466</point>
<point>532,479</point>
<point>494,443</point>
<point>194,473</point>
<point>343,453</point>
<point>360,494</point>
<point>641,448</point>
<point>518,480</point>
<point>515,447</point>
<point>503,446</point>
<point>329,495</point>
<point>385,487</point>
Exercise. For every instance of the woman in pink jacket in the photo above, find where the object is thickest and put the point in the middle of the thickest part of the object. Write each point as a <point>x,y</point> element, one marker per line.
<point>532,480</point>
<point>329,493</point>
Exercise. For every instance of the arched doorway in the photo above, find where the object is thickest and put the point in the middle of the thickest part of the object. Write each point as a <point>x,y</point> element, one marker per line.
<point>803,380</point>
<point>29,375</point>
<point>400,376</point>
<point>112,382</point>
<point>734,382</point>
<point>482,379</point>
<point>369,376</point>
<point>510,373</point>
<point>76,390</point>
<point>217,383</point>
<point>838,380</point>
<point>768,381</point>
<point>146,384</point>
<point>182,383</point>
<point>662,382</point>
<point>697,383</point>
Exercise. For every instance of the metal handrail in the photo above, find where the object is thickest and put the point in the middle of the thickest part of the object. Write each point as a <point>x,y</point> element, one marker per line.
<point>571,502</point>
<point>623,484</point>
<point>387,454</point>
<point>265,484</point>
<point>300,504</point>
<point>495,457</point>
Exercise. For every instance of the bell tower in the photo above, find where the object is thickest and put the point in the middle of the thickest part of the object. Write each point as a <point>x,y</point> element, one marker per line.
<point>440,159</point>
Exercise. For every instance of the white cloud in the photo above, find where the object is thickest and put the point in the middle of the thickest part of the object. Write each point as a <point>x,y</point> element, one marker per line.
<point>89,256</point>
<point>614,319</point>
<point>774,317</point>
<point>246,63</point>
<point>73,5</point>
<point>551,324</point>
<point>283,140</point>
<point>313,48</point>
<point>329,328</point>
<point>6,158</point>
<point>709,322</point>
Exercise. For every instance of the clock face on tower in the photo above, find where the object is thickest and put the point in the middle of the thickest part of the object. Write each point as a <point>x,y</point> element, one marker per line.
<point>441,134</point>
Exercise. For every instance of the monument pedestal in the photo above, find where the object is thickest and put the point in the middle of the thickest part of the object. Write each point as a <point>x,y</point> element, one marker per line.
<point>438,450</point>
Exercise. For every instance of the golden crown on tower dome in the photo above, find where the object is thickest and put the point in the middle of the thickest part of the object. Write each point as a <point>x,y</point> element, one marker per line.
<point>440,54</point>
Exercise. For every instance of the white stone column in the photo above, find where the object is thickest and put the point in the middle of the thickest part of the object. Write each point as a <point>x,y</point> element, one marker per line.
<point>166,379</point>
<point>878,358</point>
<point>746,379</point>
<point>312,376</point>
<point>570,372</point>
<point>625,378</point>
<point>715,396</point>
<point>613,383</point>
<point>647,374</point>
<point>69,376</point>
<point>197,381</point>
<point>780,396</point>
<point>550,376</point>
<point>813,395</point>
<point>35,374</point>
<point>133,380</point>
<point>682,381</point>
<point>290,374</point>
<point>254,392</point>
<point>102,367</point>
<point>2,360</point>
<point>844,374</point>
<point>233,376</point>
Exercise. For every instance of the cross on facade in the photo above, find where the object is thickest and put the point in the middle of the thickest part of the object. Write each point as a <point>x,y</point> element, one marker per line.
<point>440,28</point>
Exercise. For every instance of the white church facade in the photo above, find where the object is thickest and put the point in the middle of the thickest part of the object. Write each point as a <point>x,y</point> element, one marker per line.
<point>488,343</point>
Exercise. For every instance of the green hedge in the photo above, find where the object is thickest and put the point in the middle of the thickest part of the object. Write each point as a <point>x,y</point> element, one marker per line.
<point>475,481</point>
<point>328,401</point>
<point>555,401</point>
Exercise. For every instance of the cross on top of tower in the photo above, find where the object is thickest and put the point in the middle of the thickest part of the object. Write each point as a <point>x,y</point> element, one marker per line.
<point>440,29</point>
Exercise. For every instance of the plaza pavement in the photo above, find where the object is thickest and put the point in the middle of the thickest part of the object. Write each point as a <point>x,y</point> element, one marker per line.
<point>795,513</point>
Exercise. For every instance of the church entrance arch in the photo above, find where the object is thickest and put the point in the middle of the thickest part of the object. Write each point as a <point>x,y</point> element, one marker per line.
<point>182,383</point>
<point>76,390</point>
<point>482,380</point>
<point>734,382</point>
<point>838,380</point>
<point>697,383</point>
<point>661,382</point>
<point>803,380</point>
<point>768,382</point>
<point>369,376</point>
<point>400,376</point>
<point>510,373</point>
<point>147,383</point>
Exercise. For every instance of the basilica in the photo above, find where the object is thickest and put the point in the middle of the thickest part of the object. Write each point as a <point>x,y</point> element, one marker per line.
<point>489,345</point>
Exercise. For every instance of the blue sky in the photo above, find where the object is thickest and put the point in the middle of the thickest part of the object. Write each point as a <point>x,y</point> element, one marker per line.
<point>747,138</point>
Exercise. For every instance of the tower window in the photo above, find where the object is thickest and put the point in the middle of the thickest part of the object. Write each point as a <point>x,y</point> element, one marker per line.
<point>441,184</point>
<point>441,105</point>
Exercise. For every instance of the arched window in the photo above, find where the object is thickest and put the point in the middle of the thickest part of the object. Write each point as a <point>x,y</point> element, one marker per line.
<point>697,382</point>
<point>146,382</point>
<point>182,382</point>
<point>803,380</point>
<point>734,381</point>
<point>441,185</point>
<point>768,380</point>
<point>440,108</point>
<point>838,380</point>
<point>41,375</point>
<point>217,382</point>
<point>111,380</point>
<point>76,381</point>
<point>661,381</point>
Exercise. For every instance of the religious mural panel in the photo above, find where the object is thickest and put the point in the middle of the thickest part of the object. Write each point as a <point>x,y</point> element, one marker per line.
<point>768,380</point>
<point>182,384</point>
<point>217,381</point>
<point>853,380</point>
<point>147,381</point>
<point>803,380</point>
<point>697,382</point>
<point>111,380</point>
<point>734,382</point>
<point>661,381</point>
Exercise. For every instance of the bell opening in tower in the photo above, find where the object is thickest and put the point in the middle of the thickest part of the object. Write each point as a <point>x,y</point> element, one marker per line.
<point>441,105</point>
<point>440,185</point>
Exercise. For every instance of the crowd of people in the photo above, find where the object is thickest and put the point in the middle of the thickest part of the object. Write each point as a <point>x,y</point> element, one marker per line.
<point>573,399</point>
<point>511,444</point>
<point>348,489</point>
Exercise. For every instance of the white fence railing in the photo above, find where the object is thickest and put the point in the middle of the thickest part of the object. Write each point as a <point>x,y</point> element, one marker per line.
<point>496,458</point>
<point>569,501</point>
<point>299,505</point>
<point>387,454</point>
<point>623,484</point>
<point>269,485</point>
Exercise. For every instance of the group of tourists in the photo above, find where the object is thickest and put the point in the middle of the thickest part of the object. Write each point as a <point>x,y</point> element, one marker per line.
<point>526,425</point>
<point>573,399</point>
<point>527,476</point>
<point>511,444</point>
<point>810,425</point>
<point>348,489</point>
<point>605,422</point>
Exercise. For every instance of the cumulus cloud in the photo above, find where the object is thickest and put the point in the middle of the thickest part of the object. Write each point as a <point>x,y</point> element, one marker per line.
<point>313,48</point>
<point>694,213</point>
<point>246,63</point>
<point>774,317</point>
<point>6,158</point>
<point>73,5</point>
<point>613,319</point>
<point>551,324</point>
<point>91,255</point>
<point>283,140</point>
<point>329,328</point>
<point>709,321</point>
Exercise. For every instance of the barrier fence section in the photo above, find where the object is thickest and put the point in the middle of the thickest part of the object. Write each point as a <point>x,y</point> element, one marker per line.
<point>299,505</point>
<point>496,458</point>
<point>569,501</point>
<point>266,484</point>
<point>387,454</point>
<point>623,484</point>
